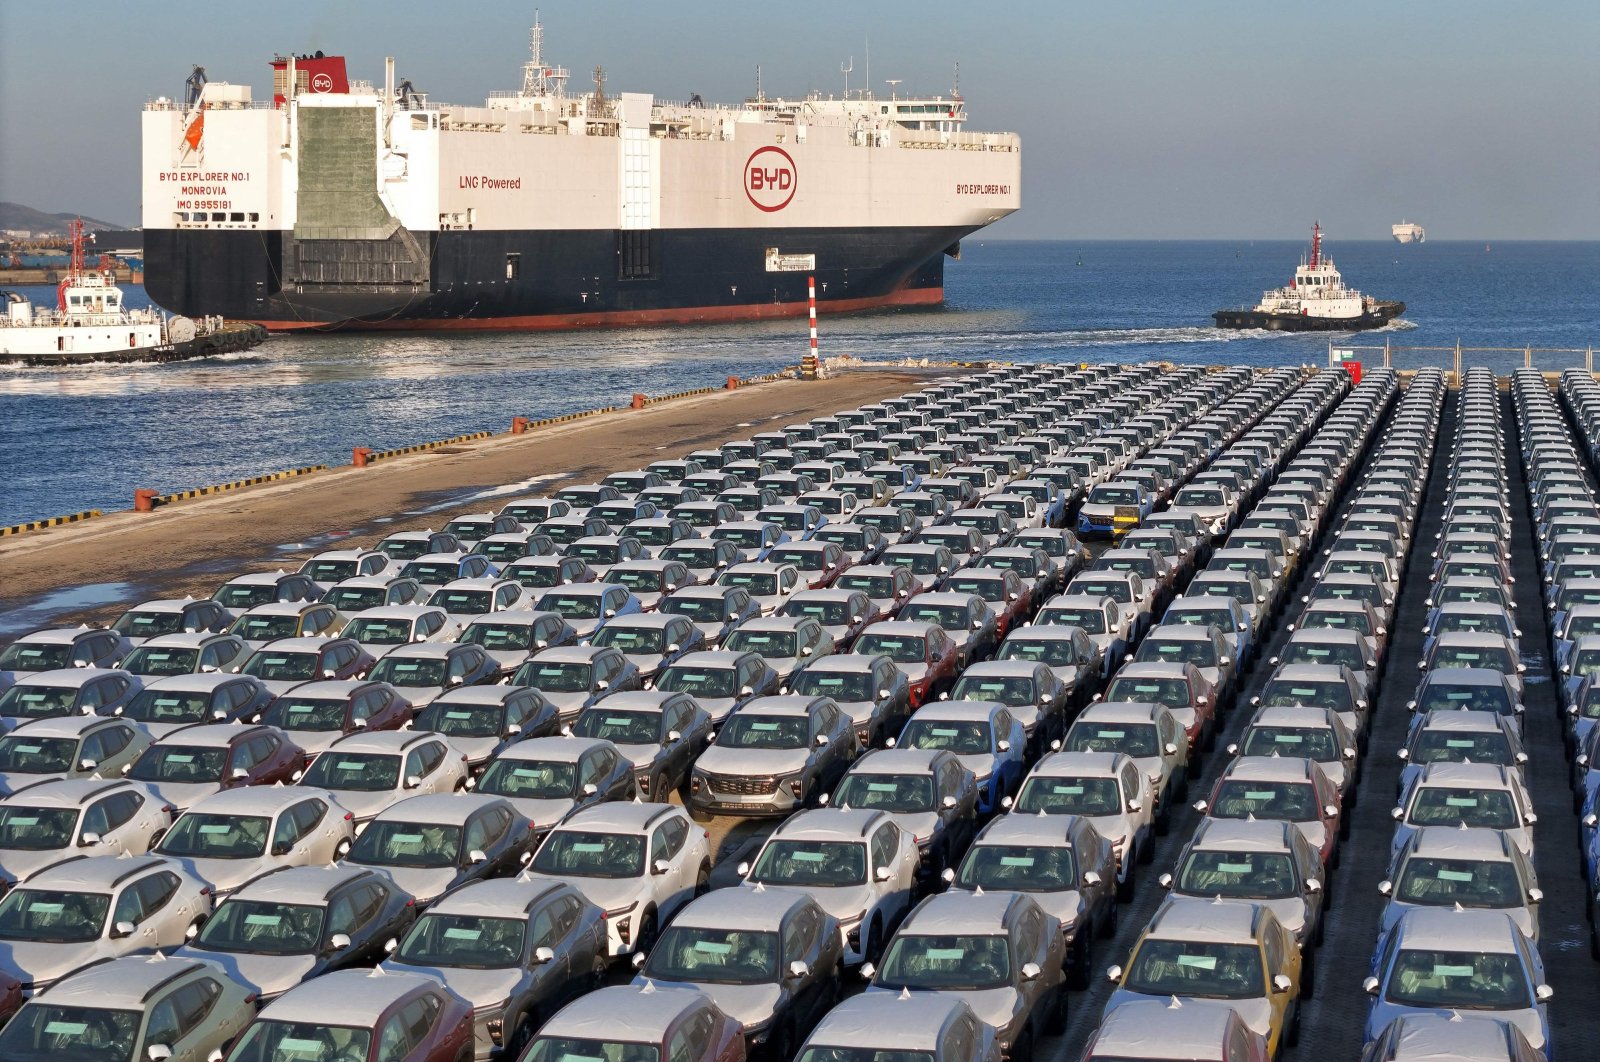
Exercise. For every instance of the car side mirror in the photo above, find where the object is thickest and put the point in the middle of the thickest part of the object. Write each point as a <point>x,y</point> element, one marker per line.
<point>1397,813</point>
<point>822,739</point>
<point>1170,749</point>
<point>281,847</point>
<point>590,789</point>
<point>239,774</point>
<point>158,1052</point>
<point>86,764</point>
<point>745,691</point>
<point>798,969</point>
<point>1543,993</point>
<point>1003,745</point>
<point>1330,810</point>
<point>660,866</point>
<point>413,781</point>
<point>1091,878</point>
<point>881,874</point>
<point>1370,986</point>
<point>476,856</point>
<point>1031,971</point>
<point>1535,895</point>
<point>1114,974</point>
<point>867,970</point>
<point>544,955</point>
<point>1281,983</point>
<point>1200,806</point>
<point>122,929</point>
<point>339,941</point>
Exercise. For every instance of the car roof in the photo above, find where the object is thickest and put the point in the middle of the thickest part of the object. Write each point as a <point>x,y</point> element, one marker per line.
<point>750,909</point>
<point>1485,638</point>
<point>123,983</point>
<point>1270,769</point>
<point>829,824</point>
<point>309,884</point>
<point>422,651</point>
<point>330,687</point>
<point>841,663</point>
<point>907,628</point>
<point>1153,669</point>
<point>497,897</point>
<point>961,911</point>
<point>1003,668</point>
<point>1143,1025</point>
<point>563,749</point>
<point>1303,715</point>
<point>962,709</point>
<point>182,640</point>
<point>93,872</point>
<point>210,735</point>
<point>791,704</point>
<point>381,741</point>
<point>256,799</point>
<point>66,726</point>
<point>346,997</point>
<point>1105,764</point>
<point>1461,843</point>
<point>710,658</point>
<point>1196,919</point>
<point>1485,775</point>
<point>1122,712</point>
<point>1309,672</point>
<point>69,677</point>
<point>1430,1037</point>
<point>897,761</point>
<point>272,608</point>
<point>632,1012</point>
<point>1243,835</point>
<point>402,612</point>
<point>66,792</point>
<point>634,815</point>
<point>1451,928</point>
<point>907,1021</point>
<point>297,645</point>
<point>1052,830</point>
<point>53,636</point>
<point>1453,719</point>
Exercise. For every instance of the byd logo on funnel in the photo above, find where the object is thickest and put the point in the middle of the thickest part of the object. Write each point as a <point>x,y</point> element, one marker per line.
<point>770,178</point>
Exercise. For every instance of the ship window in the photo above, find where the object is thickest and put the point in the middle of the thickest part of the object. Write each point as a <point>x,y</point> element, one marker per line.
<point>253,216</point>
<point>513,266</point>
<point>236,216</point>
<point>218,215</point>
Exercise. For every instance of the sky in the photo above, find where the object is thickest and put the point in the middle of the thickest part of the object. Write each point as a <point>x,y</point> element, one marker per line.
<point>1140,119</point>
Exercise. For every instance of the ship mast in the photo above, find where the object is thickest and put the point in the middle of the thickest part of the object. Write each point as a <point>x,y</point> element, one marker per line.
<point>538,79</point>
<point>1316,244</point>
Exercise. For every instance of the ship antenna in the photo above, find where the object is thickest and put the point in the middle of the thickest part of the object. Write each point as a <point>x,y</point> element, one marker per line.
<point>845,70</point>
<point>1316,243</point>
<point>955,90</point>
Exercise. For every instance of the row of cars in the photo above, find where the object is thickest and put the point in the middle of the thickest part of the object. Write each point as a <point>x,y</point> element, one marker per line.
<point>302,917</point>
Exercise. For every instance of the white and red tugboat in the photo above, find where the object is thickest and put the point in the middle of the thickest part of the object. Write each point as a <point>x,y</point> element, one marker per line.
<point>1316,300</point>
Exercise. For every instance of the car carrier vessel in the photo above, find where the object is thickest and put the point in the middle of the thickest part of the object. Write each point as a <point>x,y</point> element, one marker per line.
<point>343,204</point>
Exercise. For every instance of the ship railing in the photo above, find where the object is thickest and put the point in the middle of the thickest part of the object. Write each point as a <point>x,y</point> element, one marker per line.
<point>932,140</point>
<point>1503,361</point>
<point>162,103</point>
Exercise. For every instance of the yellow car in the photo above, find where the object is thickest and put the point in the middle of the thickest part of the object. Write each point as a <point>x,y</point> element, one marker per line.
<point>1228,952</point>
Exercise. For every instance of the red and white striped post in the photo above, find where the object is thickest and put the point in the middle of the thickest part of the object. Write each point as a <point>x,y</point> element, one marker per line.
<point>809,364</point>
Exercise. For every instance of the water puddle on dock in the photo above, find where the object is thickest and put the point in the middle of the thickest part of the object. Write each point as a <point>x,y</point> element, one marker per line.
<point>457,500</point>
<point>37,613</point>
<point>314,542</point>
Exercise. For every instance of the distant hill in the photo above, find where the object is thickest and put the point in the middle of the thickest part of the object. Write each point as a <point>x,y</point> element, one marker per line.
<point>17,216</point>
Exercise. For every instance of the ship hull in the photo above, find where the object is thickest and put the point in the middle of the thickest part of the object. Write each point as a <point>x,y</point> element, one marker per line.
<point>562,279</point>
<point>1380,315</point>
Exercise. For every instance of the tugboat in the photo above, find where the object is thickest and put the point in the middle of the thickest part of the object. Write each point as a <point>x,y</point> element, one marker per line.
<point>91,324</point>
<point>1316,300</point>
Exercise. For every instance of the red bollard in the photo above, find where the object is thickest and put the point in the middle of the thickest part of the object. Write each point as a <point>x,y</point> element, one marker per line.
<point>144,500</point>
<point>637,403</point>
<point>733,382</point>
<point>519,425</point>
<point>358,456</point>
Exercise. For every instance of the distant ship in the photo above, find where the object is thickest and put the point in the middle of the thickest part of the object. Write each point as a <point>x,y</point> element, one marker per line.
<point>1316,300</point>
<point>1408,232</point>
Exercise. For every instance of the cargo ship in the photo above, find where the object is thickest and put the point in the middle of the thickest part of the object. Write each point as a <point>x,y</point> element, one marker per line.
<point>1408,232</point>
<point>1315,300</point>
<point>338,204</point>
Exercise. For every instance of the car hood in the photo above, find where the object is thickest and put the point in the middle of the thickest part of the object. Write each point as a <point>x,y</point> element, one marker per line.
<point>1256,1013</point>
<point>507,659</point>
<point>542,813</point>
<point>995,1007</point>
<point>749,1005</point>
<point>182,795</point>
<point>478,987</point>
<point>35,961</point>
<point>425,883</point>
<point>1315,832</point>
<point>847,903</point>
<point>269,975</point>
<point>1530,1020</point>
<point>607,893</point>
<point>725,761</point>
<point>11,781</point>
<point>419,695</point>
<point>224,875</point>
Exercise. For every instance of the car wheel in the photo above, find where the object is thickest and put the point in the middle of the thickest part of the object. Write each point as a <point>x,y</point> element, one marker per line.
<point>342,850</point>
<point>645,939</point>
<point>1078,971</point>
<point>872,945</point>
<point>597,975</point>
<point>520,1036</point>
<point>1056,1016</point>
<point>1125,885</point>
<point>702,880</point>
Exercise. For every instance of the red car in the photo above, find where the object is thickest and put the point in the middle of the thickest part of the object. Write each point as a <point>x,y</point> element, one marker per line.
<point>319,713</point>
<point>195,761</point>
<point>923,651</point>
<point>820,563</point>
<point>363,1015</point>
<point>1286,788</point>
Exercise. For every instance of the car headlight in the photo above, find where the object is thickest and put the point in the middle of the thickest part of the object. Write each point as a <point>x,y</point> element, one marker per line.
<point>622,918</point>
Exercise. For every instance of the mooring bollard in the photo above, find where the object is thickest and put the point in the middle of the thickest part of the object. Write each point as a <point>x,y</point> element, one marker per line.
<point>144,500</point>
<point>733,383</point>
<point>519,425</point>
<point>358,456</point>
<point>637,403</point>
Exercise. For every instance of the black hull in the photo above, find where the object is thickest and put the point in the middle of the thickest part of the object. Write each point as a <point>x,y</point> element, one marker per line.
<point>517,280</point>
<point>1380,315</point>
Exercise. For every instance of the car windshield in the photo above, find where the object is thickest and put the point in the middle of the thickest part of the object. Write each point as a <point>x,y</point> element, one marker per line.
<point>692,556</point>
<point>1013,692</point>
<point>1286,692</point>
<point>179,763</point>
<point>811,863</point>
<point>462,720</point>
<point>1069,796</point>
<point>965,962</point>
<point>1199,496</point>
<point>1457,746</point>
<point>766,643</point>
<point>528,779</point>
<point>389,842</point>
<point>1464,980</point>
<point>1442,806</point>
<point>1312,742</point>
<point>714,956</point>
<point>360,772</point>
<point>34,656</point>
<point>276,665</point>
<point>198,835</point>
<point>619,727</point>
<point>403,549</point>
<point>265,1040</point>
<point>838,685</point>
<point>137,624</point>
<point>961,737</point>
<point>1119,590</point>
<point>572,606</point>
<point>1585,662</point>
<point>1239,798</point>
<point>572,1049</point>
<point>1195,968</point>
<point>921,562</point>
<point>536,576</point>
<point>1450,622</point>
<point>55,916</point>
<point>1135,739</point>
<point>1319,618</point>
<point>1469,882</point>
<point>241,596</point>
<point>1493,658</point>
<point>1238,875</point>
<point>37,755</point>
<point>758,583</point>
<point>517,637</point>
<point>37,702</point>
<point>1019,868</point>
<point>899,648</point>
<point>469,942</point>
<point>265,628</point>
<point>743,537</point>
<point>432,573</point>
<point>885,792</point>
<point>849,539</point>
<point>744,730</point>
<point>1114,496</point>
<point>463,602</point>
<point>586,854</point>
<point>349,599</point>
<point>156,661</point>
<point>1201,652</point>
<point>1055,652</point>
<point>698,681</point>
<point>950,617</point>
<point>698,609</point>
<point>263,927</point>
<point>988,588</point>
<point>409,671</point>
<point>827,613</point>
<point>596,552</point>
<point>646,580</point>
<point>642,641</point>
<point>380,631</point>
<point>1092,620</point>
<point>30,829</point>
<point>290,712</point>
<point>42,1032</point>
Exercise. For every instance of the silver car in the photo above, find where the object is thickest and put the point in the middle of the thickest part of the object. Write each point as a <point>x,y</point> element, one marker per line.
<point>78,746</point>
<point>381,630</point>
<point>198,652</point>
<point>1447,866</point>
<point>77,913</point>
<point>49,822</point>
<point>432,844</point>
<point>515,948</point>
<point>650,641</point>
<point>368,772</point>
<point>227,839</point>
<point>481,721</point>
<point>660,733</point>
<point>547,779</point>
<point>72,691</point>
<point>774,755</point>
<point>511,638</point>
<point>183,700</point>
<point>928,1026</point>
<point>575,677</point>
<point>180,1010</point>
<point>58,648</point>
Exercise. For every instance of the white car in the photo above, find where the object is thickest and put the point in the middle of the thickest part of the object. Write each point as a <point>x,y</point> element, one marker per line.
<point>638,862</point>
<point>1109,790</point>
<point>381,630</point>
<point>858,865</point>
<point>54,821</point>
<point>227,839</point>
<point>367,772</point>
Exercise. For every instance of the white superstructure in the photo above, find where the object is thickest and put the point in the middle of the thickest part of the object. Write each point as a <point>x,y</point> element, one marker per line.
<point>1408,232</point>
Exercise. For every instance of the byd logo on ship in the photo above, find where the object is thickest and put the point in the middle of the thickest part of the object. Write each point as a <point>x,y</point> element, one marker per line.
<point>322,83</point>
<point>770,178</point>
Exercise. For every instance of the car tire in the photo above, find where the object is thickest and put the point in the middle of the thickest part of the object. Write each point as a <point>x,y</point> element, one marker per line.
<point>702,880</point>
<point>648,928</point>
<point>1125,887</point>
<point>1078,974</point>
<point>526,1025</point>
<point>1055,1022</point>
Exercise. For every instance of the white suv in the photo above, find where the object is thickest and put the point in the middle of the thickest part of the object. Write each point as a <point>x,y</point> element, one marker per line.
<point>1109,790</point>
<point>859,865</point>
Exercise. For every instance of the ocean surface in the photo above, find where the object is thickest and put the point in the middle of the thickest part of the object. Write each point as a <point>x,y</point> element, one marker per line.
<point>86,437</point>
